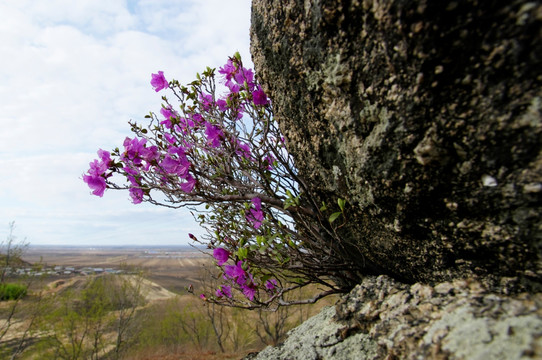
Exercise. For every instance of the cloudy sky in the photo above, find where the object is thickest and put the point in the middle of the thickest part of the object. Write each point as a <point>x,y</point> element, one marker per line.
<point>72,74</point>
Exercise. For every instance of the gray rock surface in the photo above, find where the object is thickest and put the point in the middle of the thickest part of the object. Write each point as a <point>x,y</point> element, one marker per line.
<point>384,319</point>
<point>320,338</point>
<point>425,116</point>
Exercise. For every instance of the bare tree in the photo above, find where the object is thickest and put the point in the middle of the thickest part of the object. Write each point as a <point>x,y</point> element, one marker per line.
<point>273,326</point>
<point>11,252</point>
<point>97,307</point>
<point>217,315</point>
<point>242,332</point>
<point>32,311</point>
<point>195,325</point>
<point>16,313</point>
<point>126,298</point>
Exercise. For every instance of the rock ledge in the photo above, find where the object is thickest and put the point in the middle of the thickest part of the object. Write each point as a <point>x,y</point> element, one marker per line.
<point>384,319</point>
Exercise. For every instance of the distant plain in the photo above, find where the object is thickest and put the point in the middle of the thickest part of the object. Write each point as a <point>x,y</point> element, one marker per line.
<point>174,268</point>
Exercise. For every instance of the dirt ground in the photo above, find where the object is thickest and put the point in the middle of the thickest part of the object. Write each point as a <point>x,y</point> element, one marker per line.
<point>172,268</point>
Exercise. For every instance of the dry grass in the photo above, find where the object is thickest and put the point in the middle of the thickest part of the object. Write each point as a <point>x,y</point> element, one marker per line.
<point>164,288</point>
<point>189,355</point>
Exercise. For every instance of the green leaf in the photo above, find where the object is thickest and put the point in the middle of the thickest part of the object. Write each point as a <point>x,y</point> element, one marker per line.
<point>334,216</point>
<point>242,253</point>
<point>341,203</point>
<point>323,207</point>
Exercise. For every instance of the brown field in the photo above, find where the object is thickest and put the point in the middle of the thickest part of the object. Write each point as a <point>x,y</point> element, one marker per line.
<point>172,268</point>
<point>167,272</point>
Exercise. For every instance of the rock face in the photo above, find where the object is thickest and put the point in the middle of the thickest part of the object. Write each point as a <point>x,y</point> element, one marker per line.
<point>426,117</point>
<point>384,319</point>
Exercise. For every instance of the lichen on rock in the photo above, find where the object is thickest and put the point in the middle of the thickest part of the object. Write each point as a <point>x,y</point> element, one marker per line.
<point>424,116</point>
<point>384,319</point>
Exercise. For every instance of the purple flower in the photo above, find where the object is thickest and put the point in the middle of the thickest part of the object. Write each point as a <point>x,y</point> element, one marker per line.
<point>175,166</point>
<point>170,138</point>
<point>136,194</point>
<point>228,69</point>
<point>243,150</point>
<point>214,134</point>
<point>169,164</point>
<point>259,97</point>
<point>206,100</point>
<point>255,215</point>
<point>223,290</point>
<point>249,291</point>
<point>96,183</point>
<point>271,284</point>
<point>133,148</point>
<point>105,156</point>
<point>188,186</point>
<point>97,168</point>
<point>222,104</point>
<point>202,297</point>
<point>221,255</point>
<point>166,123</point>
<point>269,160</point>
<point>236,272</point>
<point>234,88</point>
<point>195,119</point>
<point>167,113</point>
<point>150,154</point>
<point>179,150</point>
<point>96,173</point>
<point>130,170</point>
<point>236,77</point>
<point>244,75</point>
<point>226,290</point>
<point>158,81</point>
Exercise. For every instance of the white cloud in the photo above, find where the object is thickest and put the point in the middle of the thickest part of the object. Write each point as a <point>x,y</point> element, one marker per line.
<point>72,74</point>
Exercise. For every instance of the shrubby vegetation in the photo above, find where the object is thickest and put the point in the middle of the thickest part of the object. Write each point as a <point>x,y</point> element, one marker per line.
<point>108,317</point>
<point>92,320</point>
<point>12,291</point>
<point>14,313</point>
<point>180,325</point>
<point>11,252</point>
<point>222,154</point>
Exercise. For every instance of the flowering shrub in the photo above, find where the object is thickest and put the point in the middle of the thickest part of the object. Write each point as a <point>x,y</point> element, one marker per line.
<point>223,156</point>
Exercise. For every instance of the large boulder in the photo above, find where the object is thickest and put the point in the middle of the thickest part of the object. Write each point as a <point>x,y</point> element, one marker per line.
<point>425,116</point>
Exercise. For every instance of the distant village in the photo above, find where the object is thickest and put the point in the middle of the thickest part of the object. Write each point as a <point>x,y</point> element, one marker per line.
<point>60,270</point>
<point>162,254</point>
